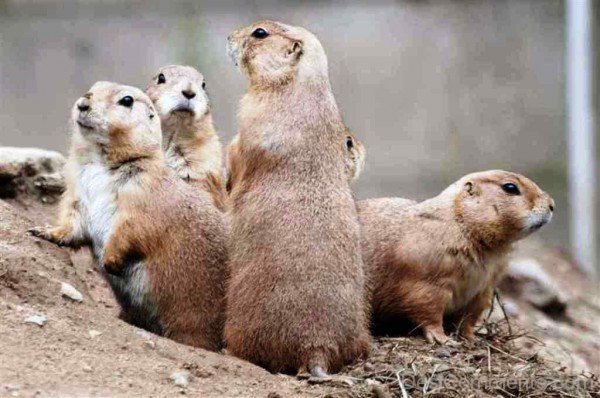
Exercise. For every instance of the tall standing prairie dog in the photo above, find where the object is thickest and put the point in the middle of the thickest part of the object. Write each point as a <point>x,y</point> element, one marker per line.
<point>160,243</point>
<point>436,258</point>
<point>190,142</point>
<point>296,296</point>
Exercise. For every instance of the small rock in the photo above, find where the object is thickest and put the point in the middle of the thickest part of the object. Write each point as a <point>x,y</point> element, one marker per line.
<point>150,344</point>
<point>94,333</point>
<point>274,395</point>
<point>70,292</point>
<point>87,368</point>
<point>445,352</point>
<point>38,319</point>
<point>181,378</point>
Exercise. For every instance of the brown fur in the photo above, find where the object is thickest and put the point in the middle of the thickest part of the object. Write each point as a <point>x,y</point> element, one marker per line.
<point>355,160</point>
<point>190,142</point>
<point>436,258</point>
<point>164,252</point>
<point>296,294</point>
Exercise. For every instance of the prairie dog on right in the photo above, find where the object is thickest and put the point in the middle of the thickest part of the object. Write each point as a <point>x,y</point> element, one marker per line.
<point>437,258</point>
<point>190,142</point>
<point>296,296</point>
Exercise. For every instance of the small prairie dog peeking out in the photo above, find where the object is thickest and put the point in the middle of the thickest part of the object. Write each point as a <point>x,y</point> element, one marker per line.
<point>355,162</point>
<point>159,242</point>
<point>436,259</point>
<point>191,145</point>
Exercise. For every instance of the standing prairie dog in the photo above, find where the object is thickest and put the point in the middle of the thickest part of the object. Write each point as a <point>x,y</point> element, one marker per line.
<point>160,243</point>
<point>191,145</point>
<point>437,258</point>
<point>296,297</point>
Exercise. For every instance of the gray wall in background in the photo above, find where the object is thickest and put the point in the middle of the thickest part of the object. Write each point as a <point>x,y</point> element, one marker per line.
<point>435,89</point>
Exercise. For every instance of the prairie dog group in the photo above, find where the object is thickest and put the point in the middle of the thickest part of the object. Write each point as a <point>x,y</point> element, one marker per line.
<point>280,265</point>
<point>296,297</point>
<point>159,242</point>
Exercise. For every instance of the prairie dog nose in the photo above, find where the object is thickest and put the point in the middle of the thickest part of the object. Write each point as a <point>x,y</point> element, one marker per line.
<point>83,105</point>
<point>188,93</point>
<point>551,205</point>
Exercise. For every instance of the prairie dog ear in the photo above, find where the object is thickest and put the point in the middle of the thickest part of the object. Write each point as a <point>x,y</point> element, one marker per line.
<point>470,188</point>
<point>295,49</point>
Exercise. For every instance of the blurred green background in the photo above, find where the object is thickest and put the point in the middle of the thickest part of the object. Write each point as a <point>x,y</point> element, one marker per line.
<point>435,89</point>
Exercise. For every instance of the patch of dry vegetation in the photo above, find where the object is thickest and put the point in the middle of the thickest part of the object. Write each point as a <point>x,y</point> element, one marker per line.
<point>491,366</point>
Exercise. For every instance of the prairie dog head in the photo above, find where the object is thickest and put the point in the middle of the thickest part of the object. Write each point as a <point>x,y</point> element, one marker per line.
<point>355,160</point>
<point>179,95</point>
<point>500,207</point>
<point>273,53</point>
<point>116,120</point>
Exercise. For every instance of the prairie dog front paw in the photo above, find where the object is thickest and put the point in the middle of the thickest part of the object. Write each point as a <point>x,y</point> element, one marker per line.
<point>57,235</point>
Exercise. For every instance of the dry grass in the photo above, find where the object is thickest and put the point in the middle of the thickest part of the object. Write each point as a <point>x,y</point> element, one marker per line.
<point>491,366</point>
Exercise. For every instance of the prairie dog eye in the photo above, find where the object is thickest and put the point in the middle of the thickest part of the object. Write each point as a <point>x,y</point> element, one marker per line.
<point>161,79</point>
<point>511,189</point>
<point>349,142</point>
<point>126,101</point>
<point>260,33</point>
<point>203,85</point>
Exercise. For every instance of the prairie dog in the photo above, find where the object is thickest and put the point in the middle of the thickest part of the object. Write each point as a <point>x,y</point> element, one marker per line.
<point>355,160</point>
<point>437,258</point>
<point>160,243</point>
<point>296,297</point>
<point>190,142</point>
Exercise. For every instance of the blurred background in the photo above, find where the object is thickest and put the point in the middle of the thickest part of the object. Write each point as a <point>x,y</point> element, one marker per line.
<point>435,89</point>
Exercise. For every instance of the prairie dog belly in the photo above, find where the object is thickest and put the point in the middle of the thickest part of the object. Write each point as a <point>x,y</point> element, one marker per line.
<point>98,204</point>
<point>99,208</point>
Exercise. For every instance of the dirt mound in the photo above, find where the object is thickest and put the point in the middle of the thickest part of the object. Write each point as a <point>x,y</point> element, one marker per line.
<point>83,349</point>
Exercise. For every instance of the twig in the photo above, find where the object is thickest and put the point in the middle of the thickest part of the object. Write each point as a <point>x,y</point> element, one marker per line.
<point>501,304</point>
<point>506,353</point>
<point>404,393</point>
<point>426,386</point>
<point>489,360</point>
<point>506,392</point>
